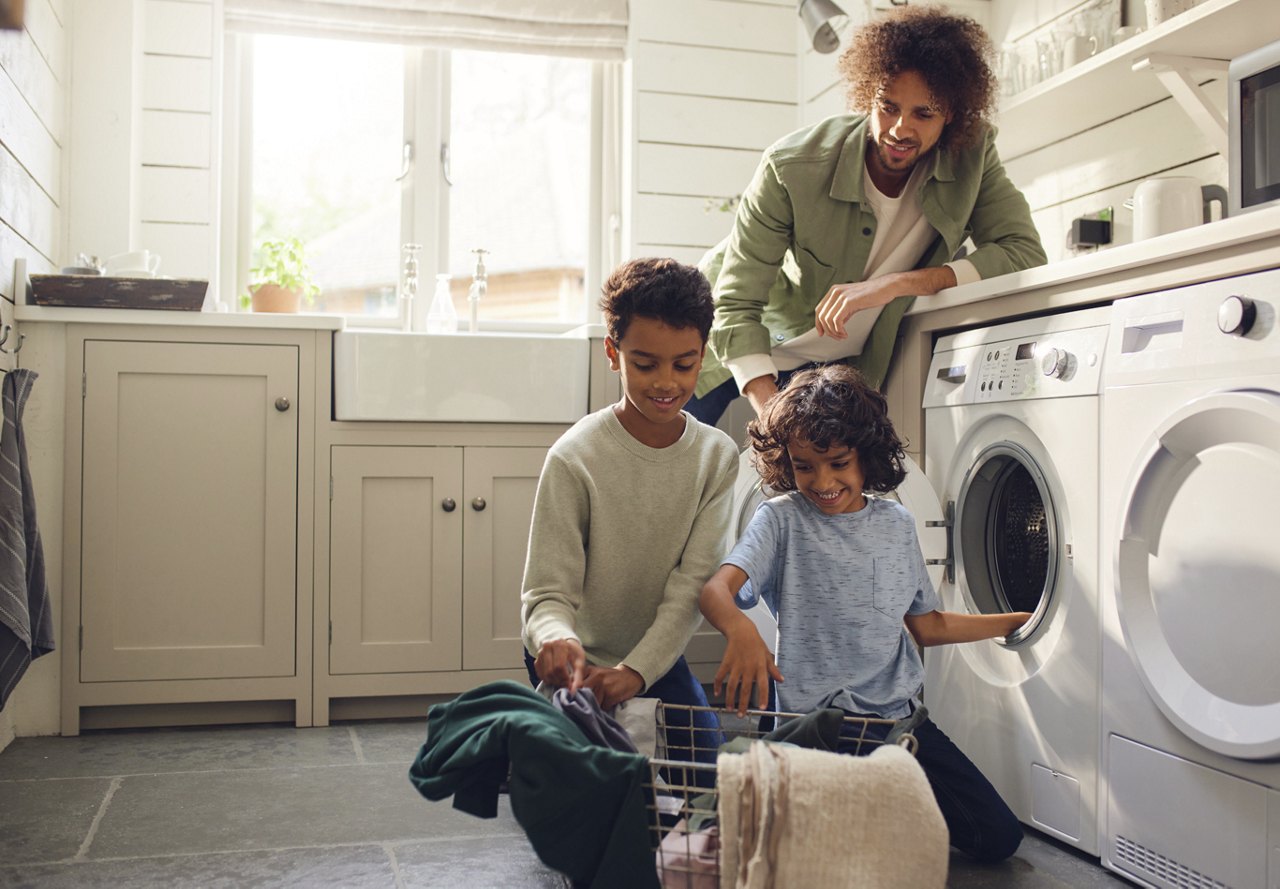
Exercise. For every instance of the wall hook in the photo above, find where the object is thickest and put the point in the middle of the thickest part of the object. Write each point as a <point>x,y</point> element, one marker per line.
<point>4,334</point>
<point>18,347</point>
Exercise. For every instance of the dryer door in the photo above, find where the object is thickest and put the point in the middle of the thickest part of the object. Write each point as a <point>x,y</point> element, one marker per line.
<point>1198,571</point>
<point>915,493</point>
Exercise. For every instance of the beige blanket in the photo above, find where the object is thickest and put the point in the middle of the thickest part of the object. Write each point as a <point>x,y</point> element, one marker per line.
<point>791,817</point>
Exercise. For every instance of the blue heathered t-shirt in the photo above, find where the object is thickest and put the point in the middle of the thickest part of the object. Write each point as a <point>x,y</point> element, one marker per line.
<point>840,586</point>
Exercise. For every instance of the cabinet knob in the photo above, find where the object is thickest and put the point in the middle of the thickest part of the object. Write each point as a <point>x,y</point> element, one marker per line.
<point>448,505</point>
<point>478,504</point>
<point>282,403</point>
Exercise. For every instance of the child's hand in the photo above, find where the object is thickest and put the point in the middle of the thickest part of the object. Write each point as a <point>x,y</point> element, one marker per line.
<point>562,664</point>
<point>1016,621</point>
<point>613,685</point>
<point>746,663</point>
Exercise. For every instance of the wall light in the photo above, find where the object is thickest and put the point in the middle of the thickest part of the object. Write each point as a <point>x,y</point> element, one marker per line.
<point>817,15</point>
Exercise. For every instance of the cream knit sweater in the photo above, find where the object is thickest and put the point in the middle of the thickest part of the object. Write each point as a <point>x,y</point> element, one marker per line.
<point>623,537</point>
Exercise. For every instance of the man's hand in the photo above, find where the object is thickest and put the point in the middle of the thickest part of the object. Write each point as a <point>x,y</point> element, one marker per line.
<point>746,663</point>
<point>843,300</point>
<point>613,685</point>
<point>759,391</point>
<point>562,664</point>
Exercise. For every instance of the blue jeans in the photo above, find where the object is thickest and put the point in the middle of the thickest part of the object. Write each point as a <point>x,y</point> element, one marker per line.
<point>699,736</point>
<point>981,824</point>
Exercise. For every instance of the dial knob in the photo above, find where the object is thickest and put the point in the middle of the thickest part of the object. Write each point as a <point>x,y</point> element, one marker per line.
<point>1055,362</point>
<point>1236,315</point>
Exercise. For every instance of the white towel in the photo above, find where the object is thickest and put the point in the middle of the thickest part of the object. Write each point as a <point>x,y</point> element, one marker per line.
<point>26,618</point>
<point>792,817</point>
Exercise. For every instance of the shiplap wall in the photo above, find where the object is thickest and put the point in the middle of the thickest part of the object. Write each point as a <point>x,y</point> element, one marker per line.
<point>33,112</point>
<point>714,82</point>
<point>146,98</point>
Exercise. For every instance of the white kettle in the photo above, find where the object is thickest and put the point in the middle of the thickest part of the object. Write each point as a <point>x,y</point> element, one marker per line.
<point>1171,203</point>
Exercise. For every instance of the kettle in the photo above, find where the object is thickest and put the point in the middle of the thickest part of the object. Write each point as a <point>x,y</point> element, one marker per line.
<point>1171,203</point>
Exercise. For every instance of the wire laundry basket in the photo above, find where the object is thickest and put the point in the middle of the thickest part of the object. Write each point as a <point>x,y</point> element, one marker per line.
<point>679,788</point>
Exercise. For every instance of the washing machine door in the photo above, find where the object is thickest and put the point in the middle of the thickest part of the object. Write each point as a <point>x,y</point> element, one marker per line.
<point>1007,535</point>
<point>1197,571</point>
<point>915,493</point>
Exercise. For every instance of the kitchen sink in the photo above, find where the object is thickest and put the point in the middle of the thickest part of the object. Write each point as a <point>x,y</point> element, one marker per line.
<point>485,378</point>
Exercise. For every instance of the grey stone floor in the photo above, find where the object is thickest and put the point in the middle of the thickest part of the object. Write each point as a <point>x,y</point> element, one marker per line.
<point>278,806</point>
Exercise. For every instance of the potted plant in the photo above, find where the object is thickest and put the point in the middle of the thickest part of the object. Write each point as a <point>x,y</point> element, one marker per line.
<point>281,278</point>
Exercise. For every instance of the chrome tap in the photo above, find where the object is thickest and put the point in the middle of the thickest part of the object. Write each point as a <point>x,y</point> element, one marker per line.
<point>479,287</point>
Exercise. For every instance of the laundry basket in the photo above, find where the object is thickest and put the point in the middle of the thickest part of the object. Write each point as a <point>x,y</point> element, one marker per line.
<point>678,788</point>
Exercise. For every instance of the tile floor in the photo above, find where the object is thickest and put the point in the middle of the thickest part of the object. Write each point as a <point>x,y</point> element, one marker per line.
<point>278,806</point>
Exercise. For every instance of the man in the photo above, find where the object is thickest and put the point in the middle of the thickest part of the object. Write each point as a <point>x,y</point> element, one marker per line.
<point>846,222</point>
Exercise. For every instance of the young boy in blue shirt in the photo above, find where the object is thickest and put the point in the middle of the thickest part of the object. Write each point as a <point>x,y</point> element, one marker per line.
<point>844,575</point>
<point>631,512</point>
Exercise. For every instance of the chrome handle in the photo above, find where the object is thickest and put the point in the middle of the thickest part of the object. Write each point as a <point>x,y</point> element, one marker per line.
<point>478,504</point>
<point>282,403</point>
<point>448,505</point>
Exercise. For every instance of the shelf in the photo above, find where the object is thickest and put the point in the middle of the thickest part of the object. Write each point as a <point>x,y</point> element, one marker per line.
<point>1105,86</point>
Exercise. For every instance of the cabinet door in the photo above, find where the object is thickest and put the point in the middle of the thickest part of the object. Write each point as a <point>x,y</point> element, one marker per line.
<point>189,513</point>
<point>500,484</point>
<point>395,560</point>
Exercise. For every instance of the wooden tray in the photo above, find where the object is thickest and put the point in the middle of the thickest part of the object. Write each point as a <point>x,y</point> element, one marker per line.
<point>101,292</point>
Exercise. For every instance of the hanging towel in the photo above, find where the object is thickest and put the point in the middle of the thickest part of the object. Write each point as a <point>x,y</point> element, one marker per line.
<point>26,619</point>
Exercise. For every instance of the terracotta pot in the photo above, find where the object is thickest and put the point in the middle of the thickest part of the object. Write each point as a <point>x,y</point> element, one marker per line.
<point>274,298</point>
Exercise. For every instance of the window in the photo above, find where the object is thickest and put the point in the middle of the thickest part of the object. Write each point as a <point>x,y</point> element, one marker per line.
<point>357,148</point>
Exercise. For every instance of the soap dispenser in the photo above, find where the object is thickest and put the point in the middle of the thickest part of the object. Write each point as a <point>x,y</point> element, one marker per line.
<point>442,317</point>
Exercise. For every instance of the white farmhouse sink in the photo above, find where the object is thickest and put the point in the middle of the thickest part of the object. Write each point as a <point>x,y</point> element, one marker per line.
<point>486,378</point>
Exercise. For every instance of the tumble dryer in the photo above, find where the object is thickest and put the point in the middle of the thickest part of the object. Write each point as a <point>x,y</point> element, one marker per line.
<point>1191,586</point>
<point>1011,445</point>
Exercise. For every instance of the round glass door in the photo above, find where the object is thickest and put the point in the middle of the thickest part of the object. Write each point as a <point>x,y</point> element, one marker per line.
<point>1197,571</point>
<point>1006,537</point>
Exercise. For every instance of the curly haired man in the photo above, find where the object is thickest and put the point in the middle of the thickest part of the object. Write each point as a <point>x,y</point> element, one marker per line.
<point>847,221</point>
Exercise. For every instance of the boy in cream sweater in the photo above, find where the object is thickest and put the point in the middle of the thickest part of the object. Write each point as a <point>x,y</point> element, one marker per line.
<point>631,511</point>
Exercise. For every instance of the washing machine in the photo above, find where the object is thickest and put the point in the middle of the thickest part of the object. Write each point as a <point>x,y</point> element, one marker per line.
<point>1011,446</point>
<point>1191,586</point>
<point>915,493</point>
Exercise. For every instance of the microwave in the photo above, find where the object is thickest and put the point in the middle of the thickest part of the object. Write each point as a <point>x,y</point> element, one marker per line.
<point>1253,119</point>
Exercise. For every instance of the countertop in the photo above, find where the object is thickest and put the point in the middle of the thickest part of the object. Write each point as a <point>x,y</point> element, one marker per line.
<point>1251,239</point>
<point>1237,245</point>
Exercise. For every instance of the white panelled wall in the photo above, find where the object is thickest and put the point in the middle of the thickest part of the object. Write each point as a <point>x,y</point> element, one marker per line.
<point>33,135</point>
<point>713,84</point>
<point>144,113</point>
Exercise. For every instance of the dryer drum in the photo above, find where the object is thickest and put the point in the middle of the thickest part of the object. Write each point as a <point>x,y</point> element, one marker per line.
<point>1006,536</point>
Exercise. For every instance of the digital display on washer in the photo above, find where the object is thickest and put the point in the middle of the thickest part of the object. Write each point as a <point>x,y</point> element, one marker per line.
<point>1025,351</point>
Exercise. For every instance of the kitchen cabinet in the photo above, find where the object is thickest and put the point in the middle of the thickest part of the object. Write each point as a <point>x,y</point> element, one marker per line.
<point>426,555</point>
<point>182,523</point>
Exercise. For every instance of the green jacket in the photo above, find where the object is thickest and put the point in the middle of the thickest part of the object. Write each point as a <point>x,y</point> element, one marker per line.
<point>804,224</point>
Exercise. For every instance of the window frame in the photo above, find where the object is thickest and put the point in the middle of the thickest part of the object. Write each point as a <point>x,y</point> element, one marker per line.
<point>424,204</point>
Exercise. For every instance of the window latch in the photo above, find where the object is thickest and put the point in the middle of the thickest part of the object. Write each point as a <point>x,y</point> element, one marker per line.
<point>406,160</point>
<point>444,164</point>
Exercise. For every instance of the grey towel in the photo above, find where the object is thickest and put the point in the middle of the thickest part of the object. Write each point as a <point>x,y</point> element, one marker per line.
<point>599,727</point>
<point>26,619</point>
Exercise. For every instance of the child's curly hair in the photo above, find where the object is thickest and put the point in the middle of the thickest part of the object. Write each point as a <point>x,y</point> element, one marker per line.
<point>827,406</point>
<point>950,52</point>
<point>678,295</point>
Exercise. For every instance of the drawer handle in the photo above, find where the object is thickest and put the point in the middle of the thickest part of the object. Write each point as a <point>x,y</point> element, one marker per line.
<point>448,505</point>
<point>478,504</point>
<point>282,404</point>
